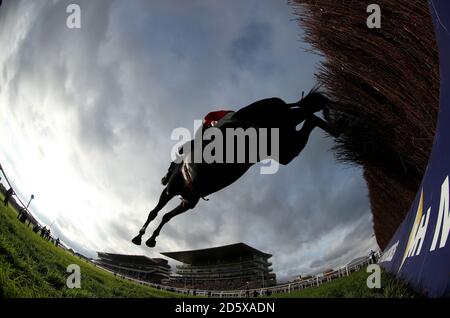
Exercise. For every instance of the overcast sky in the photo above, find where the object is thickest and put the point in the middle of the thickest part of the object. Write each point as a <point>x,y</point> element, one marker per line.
<point>86,117</point>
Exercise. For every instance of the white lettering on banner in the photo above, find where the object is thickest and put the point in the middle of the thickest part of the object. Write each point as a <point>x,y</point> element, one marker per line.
<point>443,219</point>
<point>420,225</point>
<point>418,232</point>
<point>389,254</point>
<point>416,247</point>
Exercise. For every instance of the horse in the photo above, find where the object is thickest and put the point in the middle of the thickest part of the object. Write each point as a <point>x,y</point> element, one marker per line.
<point>193,180</point>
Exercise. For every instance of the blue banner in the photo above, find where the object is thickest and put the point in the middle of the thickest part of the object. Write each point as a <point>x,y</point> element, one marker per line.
<point>419,252</point>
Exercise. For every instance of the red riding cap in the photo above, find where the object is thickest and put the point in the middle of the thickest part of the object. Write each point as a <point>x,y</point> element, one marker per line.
<point>212,118</point>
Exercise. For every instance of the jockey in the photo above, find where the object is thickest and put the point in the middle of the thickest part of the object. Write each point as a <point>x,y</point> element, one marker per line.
<point>8,196</point>
<point>210,120</point>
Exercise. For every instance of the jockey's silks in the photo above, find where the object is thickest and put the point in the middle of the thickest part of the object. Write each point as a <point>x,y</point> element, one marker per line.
<point>212,118</point>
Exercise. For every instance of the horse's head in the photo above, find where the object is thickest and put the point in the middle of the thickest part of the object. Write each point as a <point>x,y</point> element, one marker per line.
<point>314,101</point>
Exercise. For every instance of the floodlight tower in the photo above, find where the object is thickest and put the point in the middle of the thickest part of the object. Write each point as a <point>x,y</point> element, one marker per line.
<point>31,198</point>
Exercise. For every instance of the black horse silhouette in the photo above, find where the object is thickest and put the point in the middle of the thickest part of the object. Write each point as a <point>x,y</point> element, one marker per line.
<point>192,181</point>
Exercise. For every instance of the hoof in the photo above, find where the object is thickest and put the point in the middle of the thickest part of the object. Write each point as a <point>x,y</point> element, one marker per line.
<point>150,242</point>
<point>137,240</point>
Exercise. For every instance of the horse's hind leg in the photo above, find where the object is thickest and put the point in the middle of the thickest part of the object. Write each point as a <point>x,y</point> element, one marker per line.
<point>163,199</point>
<point>183,207</point>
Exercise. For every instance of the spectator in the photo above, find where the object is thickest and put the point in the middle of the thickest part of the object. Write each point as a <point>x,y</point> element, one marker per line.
<point>8,196</point>
<point>57,242</point>
<point>24,216</point>
<point>21,211</point>
<point>36,228</point>
<point>372,257</point>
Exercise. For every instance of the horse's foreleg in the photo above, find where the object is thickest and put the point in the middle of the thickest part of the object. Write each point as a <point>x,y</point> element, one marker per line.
<point>183,207</point>
<point>163,199</point>
<point>302,136</point>
<point>322,124</point>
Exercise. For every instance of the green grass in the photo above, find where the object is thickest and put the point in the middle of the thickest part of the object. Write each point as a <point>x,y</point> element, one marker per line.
<point>33,267</point>
<point>354,286</point>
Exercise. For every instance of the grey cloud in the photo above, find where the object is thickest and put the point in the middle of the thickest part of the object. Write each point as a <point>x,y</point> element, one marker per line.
<point>317,263</point>
<point>353,245</point>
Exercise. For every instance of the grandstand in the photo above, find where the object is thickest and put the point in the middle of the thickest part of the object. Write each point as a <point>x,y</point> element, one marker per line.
<point>229,267</point>
<point>143,268</point>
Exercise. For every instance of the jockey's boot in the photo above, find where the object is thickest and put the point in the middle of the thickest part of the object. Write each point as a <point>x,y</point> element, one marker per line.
<point>166,178</point>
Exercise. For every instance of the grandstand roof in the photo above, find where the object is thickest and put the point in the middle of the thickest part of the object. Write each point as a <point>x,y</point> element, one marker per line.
<point>131,259</point>
<point>213,253</point>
